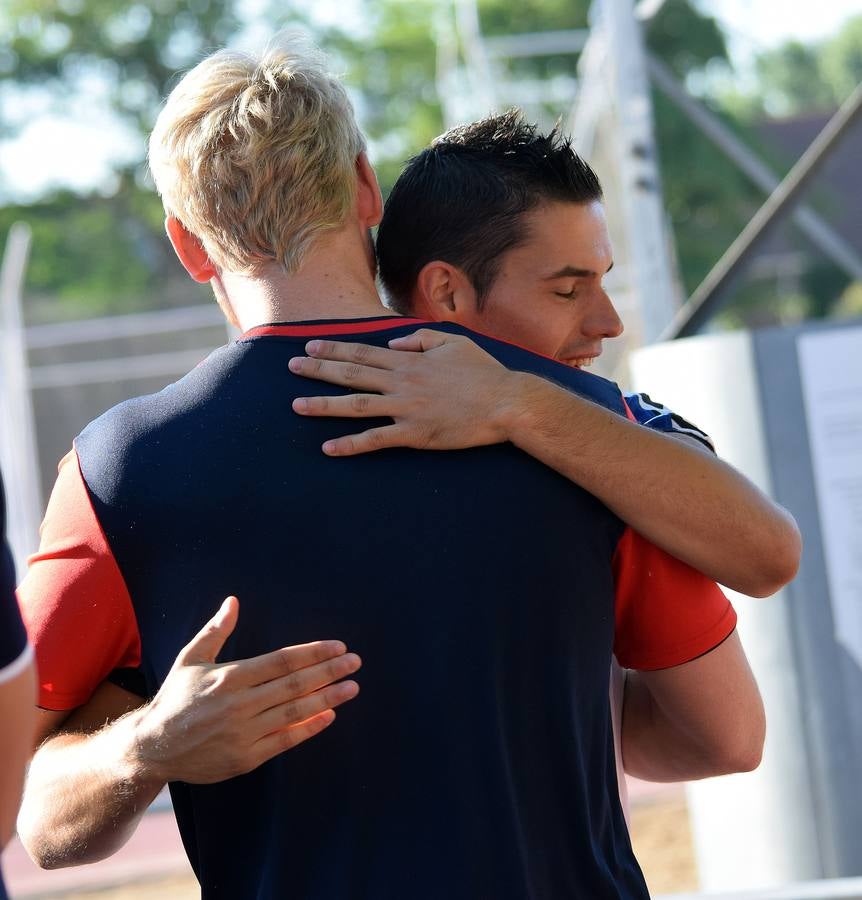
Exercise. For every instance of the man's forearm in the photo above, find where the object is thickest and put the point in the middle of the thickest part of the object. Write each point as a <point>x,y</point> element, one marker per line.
<point>685,501</point>
<point>655,748</point>
<point>85,795</point>
<point>699,719</point>
<point>442,392</point>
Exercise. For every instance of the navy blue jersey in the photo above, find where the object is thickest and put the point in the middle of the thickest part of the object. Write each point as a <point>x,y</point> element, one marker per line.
<point>478,587</point>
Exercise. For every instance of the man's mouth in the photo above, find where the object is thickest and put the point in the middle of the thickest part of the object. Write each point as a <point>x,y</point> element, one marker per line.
<point>580,362</point>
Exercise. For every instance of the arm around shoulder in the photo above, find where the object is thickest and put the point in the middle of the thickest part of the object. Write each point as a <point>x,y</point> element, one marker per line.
<point>684,499</point>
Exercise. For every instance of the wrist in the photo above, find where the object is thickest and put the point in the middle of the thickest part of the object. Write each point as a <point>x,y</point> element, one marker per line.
<point>143,758</point>
<point>520,412</point>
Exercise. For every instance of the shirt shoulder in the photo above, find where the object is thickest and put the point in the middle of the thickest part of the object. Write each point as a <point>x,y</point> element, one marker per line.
<point>659,417</point>
<point>74,599</point>
<point>667,613</point>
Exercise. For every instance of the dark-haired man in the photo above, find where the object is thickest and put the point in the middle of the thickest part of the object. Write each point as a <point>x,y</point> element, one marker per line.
<point>500,228</point>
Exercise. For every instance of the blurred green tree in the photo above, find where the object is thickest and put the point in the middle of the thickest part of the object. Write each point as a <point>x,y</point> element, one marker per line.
<point>136,48</point>
<point>103,251</point>
<point>796,78</point>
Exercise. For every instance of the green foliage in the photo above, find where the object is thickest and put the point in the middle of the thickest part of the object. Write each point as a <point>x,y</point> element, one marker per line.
<point>841,59</point>
<point>684,38</point>
<point>800,78</point>
<point>706,199</point>
<point>797,79</point>
<point>135,48</point>
<point>500,17</point>
<point>391,74</point>
<point>109,253</point>
<point>393,67</point>
<point>792,81</point>
<point>94,254</point>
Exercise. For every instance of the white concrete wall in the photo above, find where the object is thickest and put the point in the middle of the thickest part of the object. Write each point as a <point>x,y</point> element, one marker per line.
<point>755,830</point>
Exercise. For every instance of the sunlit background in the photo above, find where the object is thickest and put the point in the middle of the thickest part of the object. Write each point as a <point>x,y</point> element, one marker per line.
<point>736,87</point>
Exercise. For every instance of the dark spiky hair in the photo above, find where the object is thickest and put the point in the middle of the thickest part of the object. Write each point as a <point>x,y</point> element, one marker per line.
<point>463,200</point>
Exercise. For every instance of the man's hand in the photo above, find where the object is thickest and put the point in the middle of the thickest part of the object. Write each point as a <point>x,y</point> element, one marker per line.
<point>442,391</point>
<point>211,721</point>
<point>101,767</point>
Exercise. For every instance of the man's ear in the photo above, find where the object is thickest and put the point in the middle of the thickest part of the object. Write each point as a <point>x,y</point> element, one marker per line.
<point>369,201</point>
<point>444,293</point>
<point>189,250</point>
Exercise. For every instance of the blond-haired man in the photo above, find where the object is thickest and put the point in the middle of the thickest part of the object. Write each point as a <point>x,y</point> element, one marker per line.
<point>484,591</point>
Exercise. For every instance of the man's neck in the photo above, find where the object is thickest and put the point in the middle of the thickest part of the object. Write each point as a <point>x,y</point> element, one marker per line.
<point>335,281</point>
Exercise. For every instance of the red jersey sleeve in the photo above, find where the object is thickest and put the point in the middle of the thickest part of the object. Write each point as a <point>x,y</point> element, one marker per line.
<point>666,612</point>
<point>74,601</point>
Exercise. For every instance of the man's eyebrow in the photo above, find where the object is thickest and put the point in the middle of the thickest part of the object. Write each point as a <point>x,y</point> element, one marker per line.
<point>574,272</point>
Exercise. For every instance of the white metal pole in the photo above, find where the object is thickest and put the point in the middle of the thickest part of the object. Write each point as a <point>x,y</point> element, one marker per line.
<point>18,454</point>
<point>641,195</point>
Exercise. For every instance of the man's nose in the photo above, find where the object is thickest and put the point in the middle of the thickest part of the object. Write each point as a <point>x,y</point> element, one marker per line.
<point>603,320</point>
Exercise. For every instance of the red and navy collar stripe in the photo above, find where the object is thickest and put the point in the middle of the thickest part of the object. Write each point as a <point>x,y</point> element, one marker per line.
<point>319,327</point>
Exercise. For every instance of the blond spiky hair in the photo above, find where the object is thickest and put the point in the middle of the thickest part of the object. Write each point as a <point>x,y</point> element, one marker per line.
<point>256,156</point>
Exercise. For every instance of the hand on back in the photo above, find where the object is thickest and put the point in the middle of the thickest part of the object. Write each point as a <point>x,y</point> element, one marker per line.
<point>442,391</point>
<point>211,721</point>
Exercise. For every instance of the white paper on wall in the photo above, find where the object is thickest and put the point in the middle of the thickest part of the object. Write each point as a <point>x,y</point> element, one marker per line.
<point>830,366</point>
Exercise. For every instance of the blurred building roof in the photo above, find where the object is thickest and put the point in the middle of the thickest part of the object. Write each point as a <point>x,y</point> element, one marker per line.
<point>836,192</point>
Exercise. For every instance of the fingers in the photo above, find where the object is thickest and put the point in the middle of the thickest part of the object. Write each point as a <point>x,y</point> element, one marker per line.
<point>298,710</point>
<point>279,741</point>
<point>350,406</point>
<point>345,374</point>
<point>206,645</point>
<point>302,683</point>
<point>358,354</point>
<point>423,339</point>
<point>284,661</point>
<point>367,441</point>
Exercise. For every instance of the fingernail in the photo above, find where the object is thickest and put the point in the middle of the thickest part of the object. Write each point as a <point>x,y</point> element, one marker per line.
<point>300,404</point>
<point>295,364</point>
<point>312,346</point>
<point>329,447</point>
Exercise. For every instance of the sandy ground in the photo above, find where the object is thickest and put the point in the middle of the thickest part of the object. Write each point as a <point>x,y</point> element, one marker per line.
<point>662,842</point>
<point>178,888</point>
<point>660,834</point>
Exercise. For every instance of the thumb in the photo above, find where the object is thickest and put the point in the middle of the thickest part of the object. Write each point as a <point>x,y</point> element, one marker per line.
<point>206,645</point>
<point>423,339</point>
